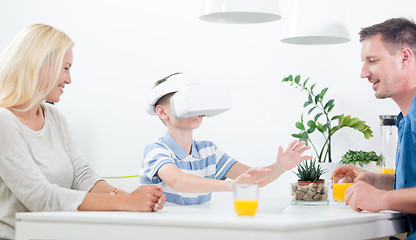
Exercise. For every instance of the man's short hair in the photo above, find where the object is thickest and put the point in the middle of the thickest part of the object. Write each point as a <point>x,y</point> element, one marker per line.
<point>396,33</point>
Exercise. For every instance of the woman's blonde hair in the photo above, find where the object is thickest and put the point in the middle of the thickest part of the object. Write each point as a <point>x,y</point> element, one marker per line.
<point>30,66</point>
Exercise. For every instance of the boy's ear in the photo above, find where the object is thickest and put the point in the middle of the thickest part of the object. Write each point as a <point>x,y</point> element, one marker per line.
<point>160,111</point>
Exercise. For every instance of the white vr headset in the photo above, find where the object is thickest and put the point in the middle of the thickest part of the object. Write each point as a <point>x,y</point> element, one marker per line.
<point>191,98</point>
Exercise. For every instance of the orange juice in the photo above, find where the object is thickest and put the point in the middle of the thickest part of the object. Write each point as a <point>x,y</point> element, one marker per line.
<point>339,191</point>
<point>245,207</point>
<point>387,170</point>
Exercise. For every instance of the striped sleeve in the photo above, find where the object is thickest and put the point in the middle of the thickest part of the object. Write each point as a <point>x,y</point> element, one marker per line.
<point>156,155</point>
<point>224,164</point>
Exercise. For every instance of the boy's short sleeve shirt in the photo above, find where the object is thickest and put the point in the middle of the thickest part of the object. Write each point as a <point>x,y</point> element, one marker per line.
<point>206,160</point>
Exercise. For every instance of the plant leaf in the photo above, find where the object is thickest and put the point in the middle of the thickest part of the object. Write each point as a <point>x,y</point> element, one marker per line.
<point>323,92</point>
<point>317,116</point>
<point>297,79</point>
<point>304,137</point>
<point>313,86</point>
<point>299,125</point>
<point>306,104</point>
<point>331,107</point>
<point>288,78</point>
<point>360,126</point>
<point>310,172</point>
<point>353,121</point>
<point>320,127</point>
<point>310,110</point>
<point>317,97</point>
<point>311,124</point>
<point>304,83</point>
<point>361,158</point>
<point>329,103</point>
<point>326,126</point>
<point>341,120</point>
<point>333,130</point>
<point>311,130</point>
<point>335,117</point>
<point>298,135</point>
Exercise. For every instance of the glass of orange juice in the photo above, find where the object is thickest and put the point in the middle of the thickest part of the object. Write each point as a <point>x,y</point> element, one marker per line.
<point>338,190</point>
<point>387,170</point>
<point>246,199</point>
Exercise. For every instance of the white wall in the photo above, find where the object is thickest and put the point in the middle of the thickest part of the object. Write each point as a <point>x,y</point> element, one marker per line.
<point>123,46</point>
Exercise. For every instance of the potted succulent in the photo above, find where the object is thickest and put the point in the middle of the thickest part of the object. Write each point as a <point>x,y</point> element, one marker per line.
<point>367,160</point>
<point>310,188</point>
<point>320,119</point>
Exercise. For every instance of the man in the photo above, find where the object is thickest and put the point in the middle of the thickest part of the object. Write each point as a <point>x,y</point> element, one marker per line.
<point>388,55</point>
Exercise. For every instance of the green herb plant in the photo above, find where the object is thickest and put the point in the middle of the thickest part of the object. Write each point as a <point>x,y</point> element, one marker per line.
<point>319,114</point>
<point>361,158</point>
<point>309,172</point>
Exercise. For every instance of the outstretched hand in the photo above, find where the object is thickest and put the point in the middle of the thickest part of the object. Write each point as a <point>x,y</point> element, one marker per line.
<point>292,156</point>
<point>252,175</point>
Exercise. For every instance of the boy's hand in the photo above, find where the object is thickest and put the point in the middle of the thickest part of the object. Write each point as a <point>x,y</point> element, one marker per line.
<point>251,177</point>
<point>291,157</point>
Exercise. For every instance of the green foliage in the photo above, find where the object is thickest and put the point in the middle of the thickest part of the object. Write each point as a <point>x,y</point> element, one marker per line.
<point>361,157</point>
<point>318,110</point>
<point>311,172</point>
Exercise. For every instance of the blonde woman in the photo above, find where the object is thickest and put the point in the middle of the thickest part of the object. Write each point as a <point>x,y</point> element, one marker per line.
<point>40,166</point>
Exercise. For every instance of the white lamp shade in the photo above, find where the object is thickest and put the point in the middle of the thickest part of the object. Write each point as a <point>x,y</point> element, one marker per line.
<point>315,22</point>
<point>240,11</point>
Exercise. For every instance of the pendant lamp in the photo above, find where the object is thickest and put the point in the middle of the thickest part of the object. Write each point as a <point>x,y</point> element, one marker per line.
<point>240,11</point>
<point>315,22</point>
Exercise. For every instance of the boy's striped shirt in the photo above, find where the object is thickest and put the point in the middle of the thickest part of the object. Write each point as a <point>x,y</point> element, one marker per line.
<point>206,160</point>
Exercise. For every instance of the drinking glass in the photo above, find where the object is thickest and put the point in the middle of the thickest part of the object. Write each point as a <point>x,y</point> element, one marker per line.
<point>246,199</point>
<point>338,189</point>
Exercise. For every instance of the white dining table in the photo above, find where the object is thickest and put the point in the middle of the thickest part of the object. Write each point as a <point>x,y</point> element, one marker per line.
<point>212,221</point>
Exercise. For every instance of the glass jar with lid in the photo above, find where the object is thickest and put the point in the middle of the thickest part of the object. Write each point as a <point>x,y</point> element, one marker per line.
<point>388,142</point>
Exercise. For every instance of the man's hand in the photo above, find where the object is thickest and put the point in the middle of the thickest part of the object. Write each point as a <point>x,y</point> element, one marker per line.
<point>350,174</point>
<point>292,156</point>
<point>362,196</point>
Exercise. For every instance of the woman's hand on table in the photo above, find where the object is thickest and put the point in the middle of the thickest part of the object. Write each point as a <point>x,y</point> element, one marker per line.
<point>146,198</point>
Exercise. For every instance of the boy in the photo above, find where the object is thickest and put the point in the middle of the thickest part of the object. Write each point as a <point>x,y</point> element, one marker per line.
<point>190,170</point>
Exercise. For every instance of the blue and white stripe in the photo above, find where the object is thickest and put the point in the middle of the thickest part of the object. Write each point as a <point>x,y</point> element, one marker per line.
<point>206,160</point>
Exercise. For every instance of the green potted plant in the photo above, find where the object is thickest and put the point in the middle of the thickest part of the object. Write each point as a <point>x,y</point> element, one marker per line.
<point>310,188</point>
<point>363,159</point>
<point>320,119</point>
